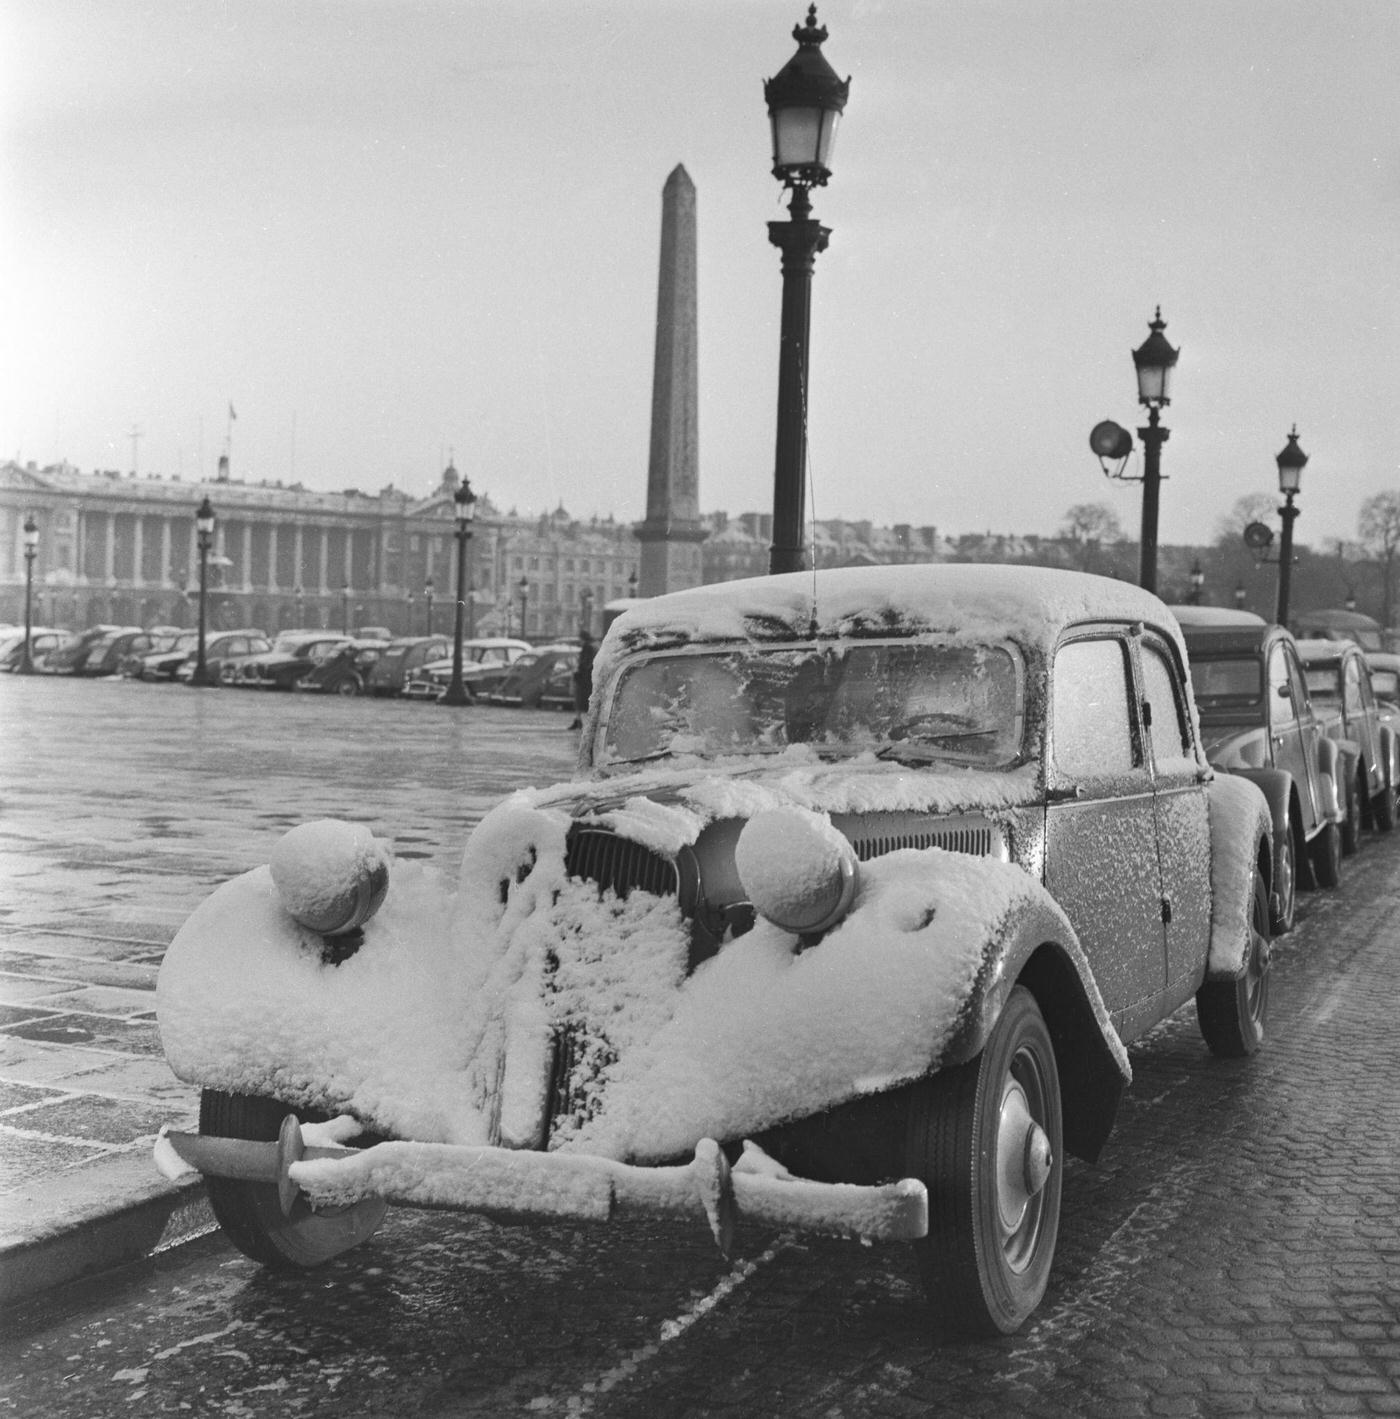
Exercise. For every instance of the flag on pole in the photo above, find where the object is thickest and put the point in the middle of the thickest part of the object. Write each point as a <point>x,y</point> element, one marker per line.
<point>231,414</point>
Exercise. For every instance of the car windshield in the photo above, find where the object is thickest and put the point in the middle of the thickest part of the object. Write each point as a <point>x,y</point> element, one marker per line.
<point>1226,682</point>
<point>901,700</point>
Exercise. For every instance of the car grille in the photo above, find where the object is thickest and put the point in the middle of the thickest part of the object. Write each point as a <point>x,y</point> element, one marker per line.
<point>600,856</point>
<point>876,835</point>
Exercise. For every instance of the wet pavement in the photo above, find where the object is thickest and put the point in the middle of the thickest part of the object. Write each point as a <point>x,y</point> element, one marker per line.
<point>122,805</point>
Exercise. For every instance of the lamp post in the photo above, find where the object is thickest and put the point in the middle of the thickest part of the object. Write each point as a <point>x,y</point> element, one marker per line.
<point>805,100</point>
<point>428,598</point>
<point>523,586</point>
<point>345,608</point>
<point>1198,580</point>
<point>204,539</point>
<point>632,584</point>
<point>586,611</point>
<point>299,594</point>
<point>31,550</point>
<point>1241,595</point>
<point>463,509</point>
<point>1154,360</point>
<point>1291,461</point>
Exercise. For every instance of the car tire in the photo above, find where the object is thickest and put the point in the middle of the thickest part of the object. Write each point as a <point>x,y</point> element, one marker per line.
<point>1351,825</point>
<point>347,685</point>
<point>1325,856</point>
<point>1383,809</point>
<point>1232,1014</point>
<point>250,1212</point>
<point>1285,891</point>
<point>986,1139</point>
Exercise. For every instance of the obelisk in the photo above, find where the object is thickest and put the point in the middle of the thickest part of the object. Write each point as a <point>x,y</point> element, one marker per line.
<point>672,533</point>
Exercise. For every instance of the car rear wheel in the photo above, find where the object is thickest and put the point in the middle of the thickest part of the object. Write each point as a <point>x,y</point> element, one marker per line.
<point>1351,825</point>
<point>1325,854</point>
<point>251,1213</point>
<point>986,1140</point>
<point>1232,1013</point>
<point>1284,902</point>
<point>347,685</point>
<point>1383,809</point>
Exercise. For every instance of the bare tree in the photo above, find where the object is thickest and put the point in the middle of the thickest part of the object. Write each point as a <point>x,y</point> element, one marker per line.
<point>1378,524</point>
<point>1253,507</point>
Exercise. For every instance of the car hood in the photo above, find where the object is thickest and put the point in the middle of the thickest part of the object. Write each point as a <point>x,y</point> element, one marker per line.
<point>666,808</point>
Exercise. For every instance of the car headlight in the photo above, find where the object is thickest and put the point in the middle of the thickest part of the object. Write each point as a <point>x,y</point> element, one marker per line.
<point>797,870</point>
<point>332,876</point>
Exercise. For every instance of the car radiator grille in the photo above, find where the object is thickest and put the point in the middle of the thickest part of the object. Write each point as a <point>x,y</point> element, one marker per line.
<point>877,835</point>
<point>600,856</point>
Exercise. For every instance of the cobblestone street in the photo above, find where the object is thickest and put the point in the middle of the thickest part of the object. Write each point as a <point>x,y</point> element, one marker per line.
<point>1234,1252</point>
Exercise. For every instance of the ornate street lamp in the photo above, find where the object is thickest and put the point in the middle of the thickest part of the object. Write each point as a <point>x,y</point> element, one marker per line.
<point>523,586</point>
<point>1154,361</point>
<point>31,550</point>
<point>1198,580</point>
<point>204,538</point>
<point>464,510</point>
<point>805,100</point>
<point>632,584</point>
<point>1291,461</point>
<point>1241,595</point>
<point>428,598</point>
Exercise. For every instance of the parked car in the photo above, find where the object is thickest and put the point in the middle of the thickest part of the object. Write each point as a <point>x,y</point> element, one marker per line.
<point>107,656</point>
<point>1384,667</point>
<point>400,658</point>
<point>1258,721</point>
<point>345,671</point>
<point>1339,685</point>
<point>43,640</point>
<point>867,878</point>
<point>163,658</point>
<point>485,663</point>
<point>291,657</point>
<point>540,679</point>
<point>1335,625</point>
<point>65,659</point>
<point>224,652</point>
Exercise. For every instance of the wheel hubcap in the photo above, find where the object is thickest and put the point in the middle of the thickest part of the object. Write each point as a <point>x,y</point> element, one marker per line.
<point>1024,1158</point>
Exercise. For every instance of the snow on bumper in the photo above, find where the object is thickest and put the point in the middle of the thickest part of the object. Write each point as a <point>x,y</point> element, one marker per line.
<point>561,1186</point>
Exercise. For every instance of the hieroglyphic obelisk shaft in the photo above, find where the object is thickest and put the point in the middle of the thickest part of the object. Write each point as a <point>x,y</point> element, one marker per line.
<point>672,533</point>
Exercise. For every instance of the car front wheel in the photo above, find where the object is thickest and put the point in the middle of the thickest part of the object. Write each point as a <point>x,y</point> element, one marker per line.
<point>1232,1013</point>
<point>251,1213</point>
<point>1325,854</point>
<point>348,685</point>
<point>986,1140</point>
<point>1351,825</point>
<point>1285,894</point>
<point>1383,809</point>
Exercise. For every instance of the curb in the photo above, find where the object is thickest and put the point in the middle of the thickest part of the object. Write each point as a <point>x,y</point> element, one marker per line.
<point>105,1214</point>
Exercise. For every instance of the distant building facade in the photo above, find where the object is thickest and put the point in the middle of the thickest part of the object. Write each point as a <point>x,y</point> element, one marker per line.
<point>739,546</point>
<point>123,549</point>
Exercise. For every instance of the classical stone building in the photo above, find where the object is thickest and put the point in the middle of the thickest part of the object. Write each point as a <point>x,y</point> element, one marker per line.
<point>739,547</point>
<point>123,549</point>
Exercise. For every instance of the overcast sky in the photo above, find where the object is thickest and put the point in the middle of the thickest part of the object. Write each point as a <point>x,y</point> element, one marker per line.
<point>383,230</point>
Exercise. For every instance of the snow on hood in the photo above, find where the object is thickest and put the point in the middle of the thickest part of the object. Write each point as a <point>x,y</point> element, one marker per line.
<point>695,792</point>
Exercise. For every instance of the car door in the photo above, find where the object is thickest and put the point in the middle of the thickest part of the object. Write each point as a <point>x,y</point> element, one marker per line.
<point>1291,728</point>
<point>1183,817</point>
<point>1100,826</point>
<point>1363,720</point>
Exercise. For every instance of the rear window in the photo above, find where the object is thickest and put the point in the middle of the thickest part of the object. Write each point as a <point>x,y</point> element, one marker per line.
<point>1227,682</point>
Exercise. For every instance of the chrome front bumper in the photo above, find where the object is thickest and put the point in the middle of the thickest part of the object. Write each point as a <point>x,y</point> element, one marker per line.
<point>559,1186</point>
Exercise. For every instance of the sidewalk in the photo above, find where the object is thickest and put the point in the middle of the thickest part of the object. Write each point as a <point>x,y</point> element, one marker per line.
<point>121,807</point>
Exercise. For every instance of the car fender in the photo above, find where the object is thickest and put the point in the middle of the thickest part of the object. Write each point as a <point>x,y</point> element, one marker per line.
<point>1277,787</point>
<point>1389,757</point>
<point>1332,774</point>
<point>1241,845</point>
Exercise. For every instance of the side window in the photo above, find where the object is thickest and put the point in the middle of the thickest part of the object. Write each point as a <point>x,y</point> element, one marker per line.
<point>1353,695</point>
<point>1091,725</point>
<point>1167,732</point>
<point>1281,709</point>
<point>1299,685</point>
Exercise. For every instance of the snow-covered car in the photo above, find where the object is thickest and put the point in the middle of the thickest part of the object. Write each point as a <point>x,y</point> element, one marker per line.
<point>43,641</point>
<point>1339,685</point>
<point>1258,722</point>
<point>865,882</point>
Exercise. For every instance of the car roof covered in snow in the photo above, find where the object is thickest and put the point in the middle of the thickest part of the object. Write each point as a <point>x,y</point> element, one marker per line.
<point>1030,605</point>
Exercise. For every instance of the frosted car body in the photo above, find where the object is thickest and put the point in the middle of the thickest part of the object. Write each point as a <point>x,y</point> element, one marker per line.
<point>832,840</point>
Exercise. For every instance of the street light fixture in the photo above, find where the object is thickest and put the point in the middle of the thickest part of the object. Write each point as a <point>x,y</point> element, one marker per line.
<point>204,539</point>
<point>1198,580</point>
<point>632,583</point>
<point>1291,461</point>
<point>464,510</point>
<point>805,100</point>
<point>31,550</point>
<point>1154,361</point>
<point>428,597</point>
<point>1241,595</point>
<point>523,586</point>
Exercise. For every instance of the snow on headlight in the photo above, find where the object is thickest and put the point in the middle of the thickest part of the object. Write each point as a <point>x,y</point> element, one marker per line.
<point>331,875</point>
<point>797,870</point>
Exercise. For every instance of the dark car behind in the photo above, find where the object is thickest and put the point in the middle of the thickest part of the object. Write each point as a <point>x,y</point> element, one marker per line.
<point>107,656</point>
<point>345,671</point>
<point>400,658</point>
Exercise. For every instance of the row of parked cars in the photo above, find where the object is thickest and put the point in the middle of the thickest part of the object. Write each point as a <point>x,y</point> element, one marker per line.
<point>865,882</point>
<point>496,670</point>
